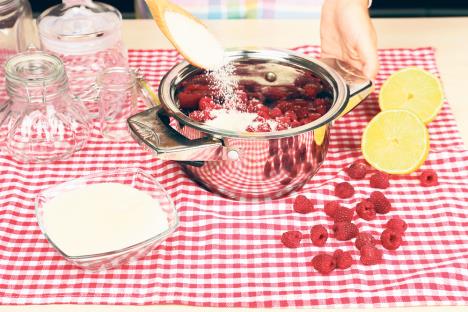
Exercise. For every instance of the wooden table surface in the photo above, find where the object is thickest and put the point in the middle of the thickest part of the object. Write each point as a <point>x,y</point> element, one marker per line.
<point>448,35</point>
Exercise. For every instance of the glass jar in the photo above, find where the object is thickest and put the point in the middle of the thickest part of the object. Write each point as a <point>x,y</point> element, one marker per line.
<point>17,32</point>
<point>42,121</point>
<point>86,35</point>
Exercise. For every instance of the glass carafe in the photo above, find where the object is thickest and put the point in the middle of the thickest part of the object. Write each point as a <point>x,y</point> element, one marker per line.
<point>86,35</point>
<point>17,32</point>
<point>41,121</point>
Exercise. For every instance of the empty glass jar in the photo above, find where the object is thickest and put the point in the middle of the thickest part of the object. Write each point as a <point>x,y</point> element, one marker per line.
<point>42,121</point>
<point>86,35</point>
<point>17,31</point>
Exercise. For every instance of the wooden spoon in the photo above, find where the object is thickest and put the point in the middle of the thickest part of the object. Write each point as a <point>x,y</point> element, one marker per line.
<point>192,45</point>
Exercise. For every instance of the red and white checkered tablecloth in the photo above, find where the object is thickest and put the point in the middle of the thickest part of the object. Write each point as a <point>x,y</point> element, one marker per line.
<point>228,253</point>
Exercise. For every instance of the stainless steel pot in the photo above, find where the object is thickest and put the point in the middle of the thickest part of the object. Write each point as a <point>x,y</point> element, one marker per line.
<point>244,165</point>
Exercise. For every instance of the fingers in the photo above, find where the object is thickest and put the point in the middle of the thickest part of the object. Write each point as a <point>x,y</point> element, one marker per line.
<point>367,52</point>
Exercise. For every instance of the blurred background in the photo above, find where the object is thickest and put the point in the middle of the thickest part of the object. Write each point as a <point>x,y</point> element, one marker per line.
<point>380,8</point>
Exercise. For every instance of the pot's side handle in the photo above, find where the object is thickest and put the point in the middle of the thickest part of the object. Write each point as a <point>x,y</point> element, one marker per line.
<point>359,86</point>
<point>148,129</point>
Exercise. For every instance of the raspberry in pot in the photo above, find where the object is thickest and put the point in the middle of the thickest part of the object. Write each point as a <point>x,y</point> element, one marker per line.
<point>188,100</point>
<point>379,180</point>
<point>344,231</point>
<point>370,255</point>
<point>276,112</point>
<point>396,224</point>
<point>291,239</point>
<point>318,235</point>
<point>366,210</point>
<point>364,238</point>
<point>302,204</point>
<point>429,178</point>
<point>330,208</point>
<point>390,239</point>
<point>324,263</point>
<point>343,214</point>
<point>357,170</point>
<point>343,259</point>
<point>206,103</point>
<point>381,204</point>
<point>344,190</point>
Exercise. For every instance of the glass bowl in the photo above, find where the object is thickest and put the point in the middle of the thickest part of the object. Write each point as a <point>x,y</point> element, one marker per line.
<point>133,177</point>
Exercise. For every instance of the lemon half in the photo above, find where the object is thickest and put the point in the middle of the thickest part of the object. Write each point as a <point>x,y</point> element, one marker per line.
<point>395,142</point>
<point>413,89</point>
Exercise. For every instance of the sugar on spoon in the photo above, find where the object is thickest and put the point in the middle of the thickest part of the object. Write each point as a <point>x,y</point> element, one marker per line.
<point>188,34</point>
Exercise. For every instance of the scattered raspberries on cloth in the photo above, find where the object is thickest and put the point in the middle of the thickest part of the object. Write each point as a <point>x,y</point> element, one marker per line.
<point>343,229</point>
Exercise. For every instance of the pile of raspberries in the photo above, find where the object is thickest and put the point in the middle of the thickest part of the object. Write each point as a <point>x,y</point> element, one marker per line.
<point>344,229</point>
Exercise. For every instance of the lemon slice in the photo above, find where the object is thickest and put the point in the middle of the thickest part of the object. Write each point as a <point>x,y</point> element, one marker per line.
<point>412,89</point>
<point>395,142</point>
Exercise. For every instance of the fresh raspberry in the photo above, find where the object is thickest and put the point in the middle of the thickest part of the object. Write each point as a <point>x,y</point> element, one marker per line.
<point>344,190</point>
<point>343,214</point>
<point>302,204</point>
<point>250,129</point>
<point>366,210</point>
<point>311,90</point>
<point>370,255</point>
<point>357,170</point>
<point>264,127</point>
<point>318,235</point>
<point>264,114</point>
<point>397,225</point>
<point>276,112</point>
<point>379,180</point>
<point>330,208</point>
<point>206,103</point>
<point>324,263</point>
<point>390,239</point>
<point>189,100</point>
<point>200,116</point>
<point>364,238</point>
<point>343,259</point>
<point>291,115</point>
<point>291,239</point>
<point>428,178</point>
<point>381,204</point>
<point>345,230</point>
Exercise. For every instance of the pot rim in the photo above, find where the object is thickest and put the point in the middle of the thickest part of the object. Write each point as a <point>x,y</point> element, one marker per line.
<point>182,70</point>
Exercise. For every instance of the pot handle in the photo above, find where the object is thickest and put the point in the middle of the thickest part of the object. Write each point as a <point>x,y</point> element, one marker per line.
<point>150,130</point>
<point>359,86</point>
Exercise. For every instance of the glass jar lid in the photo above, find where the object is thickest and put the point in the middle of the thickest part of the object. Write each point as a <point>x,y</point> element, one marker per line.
<point>79,26</point>
<point>34,68</point>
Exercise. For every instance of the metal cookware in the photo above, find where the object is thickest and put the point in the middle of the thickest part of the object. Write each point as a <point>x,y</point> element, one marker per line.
<point>244,165</point>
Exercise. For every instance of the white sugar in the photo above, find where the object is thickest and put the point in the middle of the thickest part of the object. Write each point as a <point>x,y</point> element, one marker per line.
<point>203,49</point>
<point>223,81</point>
<point>195,41</point>
<point>232,120</point>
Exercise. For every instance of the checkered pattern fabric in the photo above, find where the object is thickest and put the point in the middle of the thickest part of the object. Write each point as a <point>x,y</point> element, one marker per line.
<point>227,253</point>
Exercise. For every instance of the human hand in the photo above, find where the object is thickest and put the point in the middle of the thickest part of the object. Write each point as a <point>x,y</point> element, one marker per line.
<point>347,33</point>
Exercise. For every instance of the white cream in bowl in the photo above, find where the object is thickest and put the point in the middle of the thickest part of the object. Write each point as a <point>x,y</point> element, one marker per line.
<point>100,218</point>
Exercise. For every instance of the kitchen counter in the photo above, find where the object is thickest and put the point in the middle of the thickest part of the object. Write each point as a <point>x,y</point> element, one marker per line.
<point>448,35</point>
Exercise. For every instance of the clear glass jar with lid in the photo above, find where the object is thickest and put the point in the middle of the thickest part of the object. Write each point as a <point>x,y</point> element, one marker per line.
<point>86,35</point>
<point>17,32</point>
<point>41,121</point>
